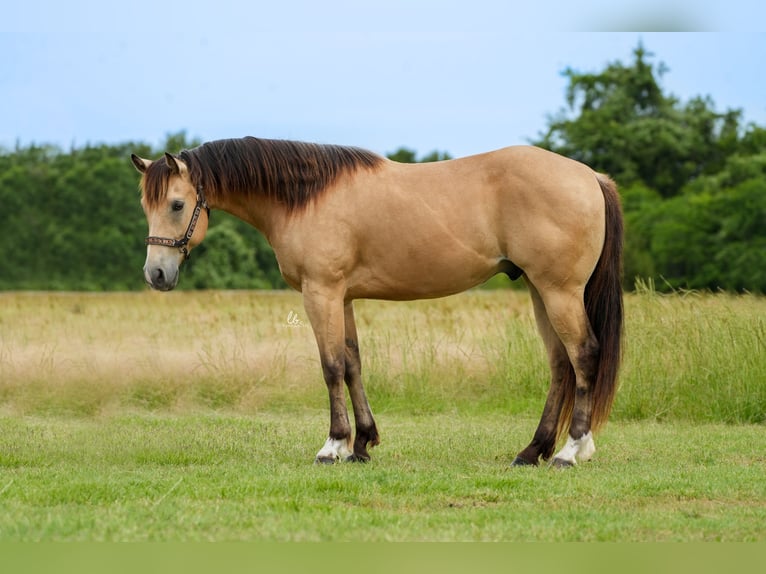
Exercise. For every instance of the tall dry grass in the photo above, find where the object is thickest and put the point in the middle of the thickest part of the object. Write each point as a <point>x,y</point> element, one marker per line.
<point>689,356</point>
<point>694,356</point>
<point>86,353</point>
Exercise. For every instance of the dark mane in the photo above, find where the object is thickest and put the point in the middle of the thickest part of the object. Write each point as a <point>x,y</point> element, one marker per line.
<point>292,173</point>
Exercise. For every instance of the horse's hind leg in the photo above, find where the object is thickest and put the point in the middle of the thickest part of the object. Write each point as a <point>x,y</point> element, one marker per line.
<point>567,315</point>
<point>366,431</point>
<point>544,439</point>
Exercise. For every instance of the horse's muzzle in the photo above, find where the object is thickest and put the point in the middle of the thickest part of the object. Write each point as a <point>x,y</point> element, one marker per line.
<point>161,279</point>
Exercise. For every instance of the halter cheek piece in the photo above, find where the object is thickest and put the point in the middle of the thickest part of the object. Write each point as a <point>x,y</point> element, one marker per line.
<point>183,242</point>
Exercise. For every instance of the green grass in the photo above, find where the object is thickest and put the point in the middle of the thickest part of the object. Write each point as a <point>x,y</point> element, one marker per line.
<point>196,416</point>
<point>435,477</point>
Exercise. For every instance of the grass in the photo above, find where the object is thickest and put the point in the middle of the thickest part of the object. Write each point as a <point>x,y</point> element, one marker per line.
<point>435,477</point>
<point>195,416</point>
<point>689,357</point>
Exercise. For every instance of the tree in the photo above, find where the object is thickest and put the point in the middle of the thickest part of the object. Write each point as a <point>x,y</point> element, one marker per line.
<point>224,261</point>
<point>406,155</point>
<point>691,179</point>
<point>72,220</point>
<point>713,236</point>
<point>619,121</point>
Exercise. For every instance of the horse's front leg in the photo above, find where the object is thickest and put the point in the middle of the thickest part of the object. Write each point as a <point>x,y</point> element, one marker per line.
<point>324,308</point>
<point>366,431</point>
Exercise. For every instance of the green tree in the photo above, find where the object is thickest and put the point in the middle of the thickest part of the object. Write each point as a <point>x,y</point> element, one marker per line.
<point>175,142</point>
<point>619,121</point>
<point>225,260</point>
<point>406,155</point>
<point>713,236</point>
<point>691,178</point>
<point>640,206</point>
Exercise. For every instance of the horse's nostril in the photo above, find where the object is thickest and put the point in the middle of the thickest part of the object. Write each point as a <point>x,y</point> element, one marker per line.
<point>159,277</point>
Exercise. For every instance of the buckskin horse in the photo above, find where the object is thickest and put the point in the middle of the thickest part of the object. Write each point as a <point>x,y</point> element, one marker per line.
<point>346,224</point>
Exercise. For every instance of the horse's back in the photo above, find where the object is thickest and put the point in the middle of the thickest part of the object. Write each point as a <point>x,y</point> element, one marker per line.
<point>518,203</point>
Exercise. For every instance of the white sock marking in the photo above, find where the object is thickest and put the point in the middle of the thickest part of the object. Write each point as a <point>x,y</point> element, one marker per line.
<point>334,449</point>
<point>587,448</point>
<point>577,448</point>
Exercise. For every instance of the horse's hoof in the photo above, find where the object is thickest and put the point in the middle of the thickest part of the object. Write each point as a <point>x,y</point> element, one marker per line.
<point>325,460</point>
<point>357,458</point>
<point>561,463</point>
<point>518,461</point>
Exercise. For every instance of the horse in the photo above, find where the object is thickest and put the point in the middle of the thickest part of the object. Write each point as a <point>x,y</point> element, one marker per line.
<point>346,224</point>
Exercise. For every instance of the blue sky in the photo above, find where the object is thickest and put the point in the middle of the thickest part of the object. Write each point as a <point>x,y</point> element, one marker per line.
<point>462,77</point>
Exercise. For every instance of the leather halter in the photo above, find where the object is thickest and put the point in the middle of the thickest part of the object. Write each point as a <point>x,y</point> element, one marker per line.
<point>184,241</point>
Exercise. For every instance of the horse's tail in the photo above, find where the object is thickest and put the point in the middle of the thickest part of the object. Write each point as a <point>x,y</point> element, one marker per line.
<point>603,304</point>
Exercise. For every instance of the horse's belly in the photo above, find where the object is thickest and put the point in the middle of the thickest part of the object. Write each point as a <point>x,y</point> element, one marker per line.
<point>419,278</point>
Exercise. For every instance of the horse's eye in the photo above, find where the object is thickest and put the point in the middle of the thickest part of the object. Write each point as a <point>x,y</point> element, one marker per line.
<point>178,205</point>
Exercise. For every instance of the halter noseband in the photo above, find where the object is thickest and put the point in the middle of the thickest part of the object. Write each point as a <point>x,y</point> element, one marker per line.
<point>183,242</point>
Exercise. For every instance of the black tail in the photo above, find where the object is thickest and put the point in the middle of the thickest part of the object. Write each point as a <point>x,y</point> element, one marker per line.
<point>603,304</point>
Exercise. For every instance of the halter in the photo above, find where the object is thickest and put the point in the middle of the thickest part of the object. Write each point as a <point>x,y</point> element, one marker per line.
<point>183,242</point>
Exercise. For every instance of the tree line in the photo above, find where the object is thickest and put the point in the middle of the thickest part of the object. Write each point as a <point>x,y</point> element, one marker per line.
<point>692,179</point>
<point>71,220</point>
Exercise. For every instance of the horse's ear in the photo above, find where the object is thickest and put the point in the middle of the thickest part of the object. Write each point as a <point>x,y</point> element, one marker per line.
<point>172,164</point>
<point>175,167</point>
<point>141,164</point>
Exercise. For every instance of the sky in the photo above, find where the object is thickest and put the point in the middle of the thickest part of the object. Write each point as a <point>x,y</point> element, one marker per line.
<point>457,76</point>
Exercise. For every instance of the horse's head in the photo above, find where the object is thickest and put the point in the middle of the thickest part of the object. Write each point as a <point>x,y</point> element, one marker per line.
<point>174,210</point>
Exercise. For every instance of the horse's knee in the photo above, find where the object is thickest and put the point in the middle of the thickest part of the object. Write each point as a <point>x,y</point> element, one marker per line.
<point>334,370</point>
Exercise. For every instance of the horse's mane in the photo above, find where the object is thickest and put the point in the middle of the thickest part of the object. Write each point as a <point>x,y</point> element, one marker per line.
<point>292,173</point>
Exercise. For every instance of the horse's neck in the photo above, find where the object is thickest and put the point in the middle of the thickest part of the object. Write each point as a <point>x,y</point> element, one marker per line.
<point>257,210</point>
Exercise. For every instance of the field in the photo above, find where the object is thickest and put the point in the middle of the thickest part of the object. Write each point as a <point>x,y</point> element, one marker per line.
<point>196,416</point>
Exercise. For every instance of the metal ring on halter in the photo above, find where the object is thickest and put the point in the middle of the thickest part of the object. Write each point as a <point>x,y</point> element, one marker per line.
<point>183,242</point>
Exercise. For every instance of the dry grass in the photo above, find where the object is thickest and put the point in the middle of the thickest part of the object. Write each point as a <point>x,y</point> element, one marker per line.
<point>88,352</point>
<point>692,356</point>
